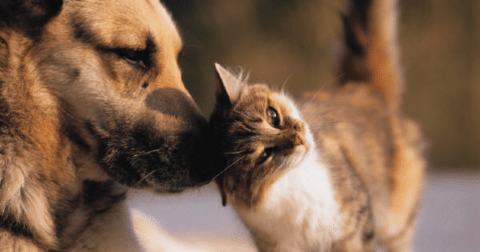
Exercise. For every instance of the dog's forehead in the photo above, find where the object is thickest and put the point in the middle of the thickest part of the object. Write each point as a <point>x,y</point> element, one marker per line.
<point>125,23</point>
<point>165,22</point>
<point>160,9</point>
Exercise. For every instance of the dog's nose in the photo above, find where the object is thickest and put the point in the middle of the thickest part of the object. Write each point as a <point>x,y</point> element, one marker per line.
<point>173,102</point>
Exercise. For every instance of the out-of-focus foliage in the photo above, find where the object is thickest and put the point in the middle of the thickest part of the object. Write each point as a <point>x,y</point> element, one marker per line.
<point>296,41</point>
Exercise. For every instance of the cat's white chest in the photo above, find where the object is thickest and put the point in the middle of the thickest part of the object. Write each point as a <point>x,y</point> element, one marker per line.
<point>300,212</point>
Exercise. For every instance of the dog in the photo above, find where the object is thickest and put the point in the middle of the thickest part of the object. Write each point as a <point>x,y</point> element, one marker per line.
<point>92,103</point>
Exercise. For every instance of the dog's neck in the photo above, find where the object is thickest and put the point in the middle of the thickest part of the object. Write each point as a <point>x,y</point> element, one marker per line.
<point>109,230</point>
<point>95,199</point>
<point>39,209</point>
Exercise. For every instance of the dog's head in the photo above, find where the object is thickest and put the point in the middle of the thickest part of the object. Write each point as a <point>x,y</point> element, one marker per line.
<point>110,66</point>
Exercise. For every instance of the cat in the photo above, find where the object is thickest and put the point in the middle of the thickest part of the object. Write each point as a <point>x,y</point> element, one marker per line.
<point>327,171</point>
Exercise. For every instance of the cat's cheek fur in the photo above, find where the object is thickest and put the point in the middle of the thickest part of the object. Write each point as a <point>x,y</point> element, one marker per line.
<point>291,109</point>
<point>299,212</point>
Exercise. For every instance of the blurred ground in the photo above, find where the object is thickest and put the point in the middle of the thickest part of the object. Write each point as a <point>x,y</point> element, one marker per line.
<point>449,216</point>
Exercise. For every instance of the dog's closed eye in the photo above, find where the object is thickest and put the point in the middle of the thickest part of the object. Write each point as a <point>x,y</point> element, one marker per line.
<point>135,57</point>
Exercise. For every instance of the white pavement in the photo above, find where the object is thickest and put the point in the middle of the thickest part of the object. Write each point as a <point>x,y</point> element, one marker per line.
<point>449,216</point>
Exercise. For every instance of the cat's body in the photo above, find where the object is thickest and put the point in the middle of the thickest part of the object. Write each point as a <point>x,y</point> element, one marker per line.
<point>329,171</point>
<point>299,187</point>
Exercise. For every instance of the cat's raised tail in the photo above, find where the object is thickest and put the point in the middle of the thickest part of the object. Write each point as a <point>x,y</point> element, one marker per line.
<point>371,51</point>
<point>372,58</point>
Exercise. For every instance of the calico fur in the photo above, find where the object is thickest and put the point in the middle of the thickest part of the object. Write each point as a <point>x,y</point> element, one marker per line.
<point>337,170</point>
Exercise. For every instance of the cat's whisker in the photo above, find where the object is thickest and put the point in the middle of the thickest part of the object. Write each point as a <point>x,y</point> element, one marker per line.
<point>232,164</point>
<point>335,79</point>
<point>240,142</point>
<point>234,152</point>
<point>243,114</point>
<point>285,82</point>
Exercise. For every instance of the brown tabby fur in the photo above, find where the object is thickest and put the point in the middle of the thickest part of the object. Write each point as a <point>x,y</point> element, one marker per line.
<point>91,102</point>
<point>372,152</point>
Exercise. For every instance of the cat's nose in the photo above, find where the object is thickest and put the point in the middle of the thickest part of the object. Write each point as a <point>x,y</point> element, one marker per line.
<point>288,140</point>
<point>293,140</point>
<point>299,139</point>
<point>298,129</point>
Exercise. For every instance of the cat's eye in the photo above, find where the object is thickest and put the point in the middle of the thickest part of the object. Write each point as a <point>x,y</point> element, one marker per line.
<point>267,152</point>
<point>273,118</point>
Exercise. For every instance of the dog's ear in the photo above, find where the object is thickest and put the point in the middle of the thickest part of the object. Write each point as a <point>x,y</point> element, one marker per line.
<point>28,15</point>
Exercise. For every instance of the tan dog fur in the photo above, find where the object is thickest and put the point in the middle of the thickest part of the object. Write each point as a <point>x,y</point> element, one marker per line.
<point>91,102</point>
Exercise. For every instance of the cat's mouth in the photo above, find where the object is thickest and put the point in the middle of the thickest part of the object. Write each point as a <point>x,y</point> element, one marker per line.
<point>299,155</point>
<point>229,190</point>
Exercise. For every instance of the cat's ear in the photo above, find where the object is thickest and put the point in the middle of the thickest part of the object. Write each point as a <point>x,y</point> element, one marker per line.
<point>229,87</point>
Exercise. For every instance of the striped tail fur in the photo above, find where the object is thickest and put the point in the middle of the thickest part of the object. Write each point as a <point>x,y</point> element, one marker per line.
<point>371,51</point>
<point>371,57</point>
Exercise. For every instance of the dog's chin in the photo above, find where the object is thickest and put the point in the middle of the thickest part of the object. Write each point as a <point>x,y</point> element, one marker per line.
<point>166,190</point>
<point>149,173</point>
<point>158,189</point>
<point>145,154</point>
<point>142,158</point>
<point>151,185</point>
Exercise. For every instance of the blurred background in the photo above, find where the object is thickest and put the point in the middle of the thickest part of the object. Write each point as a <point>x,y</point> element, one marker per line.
<point>297,41</point>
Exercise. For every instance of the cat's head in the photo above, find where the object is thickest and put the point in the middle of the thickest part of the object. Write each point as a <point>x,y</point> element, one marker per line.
<point>261,134</point>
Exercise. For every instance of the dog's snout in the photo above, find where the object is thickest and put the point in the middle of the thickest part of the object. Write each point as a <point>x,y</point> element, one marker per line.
<point>175,103</point>
<point>201,157</point>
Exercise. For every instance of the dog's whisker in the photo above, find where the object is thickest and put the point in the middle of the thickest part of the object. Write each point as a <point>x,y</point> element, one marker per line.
<point>68,114</point>
<point>146,153</point>
<point>144,177</point>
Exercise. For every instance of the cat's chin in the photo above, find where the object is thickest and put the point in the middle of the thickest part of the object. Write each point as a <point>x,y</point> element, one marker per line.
<point>299,155</point>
